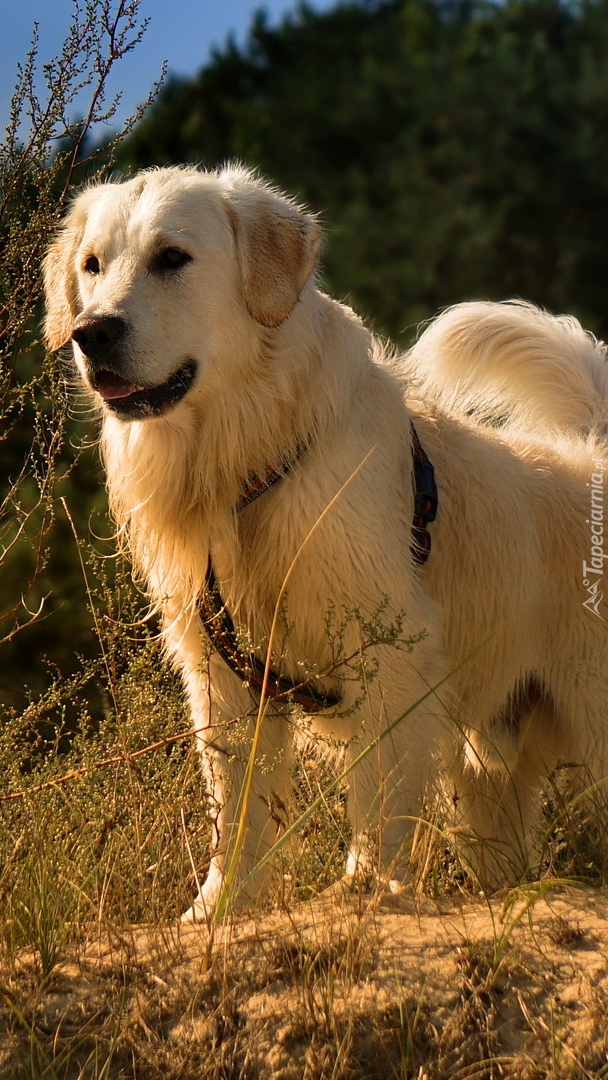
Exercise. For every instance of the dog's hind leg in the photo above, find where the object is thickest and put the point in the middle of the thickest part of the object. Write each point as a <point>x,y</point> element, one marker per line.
<point>497,787</point>
<point>582,695</point>
<point>496,811</point>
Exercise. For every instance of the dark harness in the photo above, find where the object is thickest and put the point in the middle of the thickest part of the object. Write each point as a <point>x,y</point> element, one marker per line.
<point>217,620</point>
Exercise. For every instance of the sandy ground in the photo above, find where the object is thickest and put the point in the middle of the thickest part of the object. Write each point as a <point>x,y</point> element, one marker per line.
<point>341,987</point>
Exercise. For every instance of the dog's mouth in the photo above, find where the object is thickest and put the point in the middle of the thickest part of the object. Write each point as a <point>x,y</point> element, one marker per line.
<point>132,402</point>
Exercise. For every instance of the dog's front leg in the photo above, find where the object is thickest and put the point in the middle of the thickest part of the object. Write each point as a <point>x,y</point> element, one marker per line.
<point>245,819</point>
<point>393,757</point>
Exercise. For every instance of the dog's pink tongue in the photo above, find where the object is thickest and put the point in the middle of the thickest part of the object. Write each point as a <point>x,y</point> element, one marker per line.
<point>111,386</point>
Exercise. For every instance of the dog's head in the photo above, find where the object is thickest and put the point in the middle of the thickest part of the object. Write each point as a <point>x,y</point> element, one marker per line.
<point>156,279</point>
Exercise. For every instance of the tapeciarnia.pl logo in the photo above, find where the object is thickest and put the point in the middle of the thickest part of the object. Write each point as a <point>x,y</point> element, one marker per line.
<point>593,570</point>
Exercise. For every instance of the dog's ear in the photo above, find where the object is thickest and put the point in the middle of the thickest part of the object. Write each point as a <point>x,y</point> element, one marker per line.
<point>277,244</point>
<point>59,276</point>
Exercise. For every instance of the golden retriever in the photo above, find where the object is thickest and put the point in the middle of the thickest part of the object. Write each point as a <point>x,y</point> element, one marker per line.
<point>223,373</point>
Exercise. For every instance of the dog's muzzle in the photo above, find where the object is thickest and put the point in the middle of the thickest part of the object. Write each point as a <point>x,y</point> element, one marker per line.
<point>101,339</point>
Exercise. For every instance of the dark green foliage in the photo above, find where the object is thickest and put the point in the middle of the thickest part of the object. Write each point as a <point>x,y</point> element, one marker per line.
<point>455,149</point>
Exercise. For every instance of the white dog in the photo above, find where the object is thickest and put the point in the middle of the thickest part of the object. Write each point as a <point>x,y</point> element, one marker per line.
<point>223,374</point>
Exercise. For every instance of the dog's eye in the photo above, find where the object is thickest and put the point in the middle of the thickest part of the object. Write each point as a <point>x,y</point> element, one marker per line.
<point>171,259</point>
<point>92,265</point>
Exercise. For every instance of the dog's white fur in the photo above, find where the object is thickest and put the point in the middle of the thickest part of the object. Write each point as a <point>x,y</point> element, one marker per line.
<point>500,600</point>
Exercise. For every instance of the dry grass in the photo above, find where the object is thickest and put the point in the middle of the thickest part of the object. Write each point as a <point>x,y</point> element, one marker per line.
<point>99,980</point>
<point>333,989</point>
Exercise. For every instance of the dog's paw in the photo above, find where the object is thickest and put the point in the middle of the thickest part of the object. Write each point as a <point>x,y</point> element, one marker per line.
<point>212,903</point>
<point>204,905</point>
<point>398,894</point>
<point>376,889</point>
<point>199,912</point>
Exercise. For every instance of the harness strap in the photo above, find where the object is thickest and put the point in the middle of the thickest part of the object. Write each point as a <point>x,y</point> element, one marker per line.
<point>221,630</point>
<point>249,668</point>
<point>425,500</point>
<point>256,485</point>
<point>217,620</point>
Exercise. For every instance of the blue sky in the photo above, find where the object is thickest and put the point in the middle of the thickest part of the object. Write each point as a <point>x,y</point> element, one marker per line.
<point>180,31</point>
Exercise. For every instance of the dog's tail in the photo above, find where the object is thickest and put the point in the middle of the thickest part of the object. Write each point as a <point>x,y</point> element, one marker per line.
<point>512,363</point>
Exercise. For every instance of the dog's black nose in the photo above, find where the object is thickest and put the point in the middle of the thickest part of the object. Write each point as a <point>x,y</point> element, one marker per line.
<point>97,336</point>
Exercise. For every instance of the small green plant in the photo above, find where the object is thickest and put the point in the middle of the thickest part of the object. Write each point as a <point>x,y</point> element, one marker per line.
<point>41,905</point>
<point>411,1022</point>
